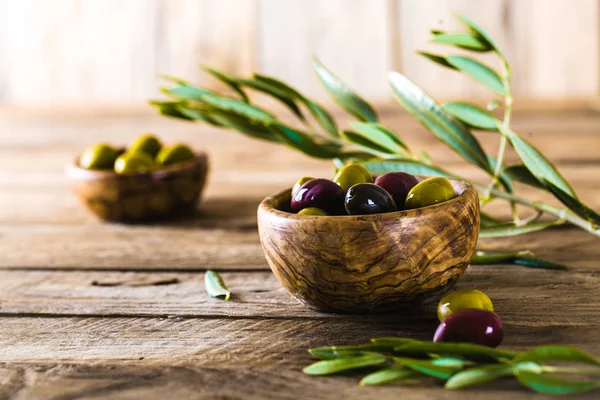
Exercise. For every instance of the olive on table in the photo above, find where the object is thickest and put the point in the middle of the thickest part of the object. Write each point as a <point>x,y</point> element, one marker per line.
<point>397,184</point>
<point>368,198</point>
<point>133,162</point>
<point>319,193</point>
<point>174,154</point>
<point>147,143</point>
<point>98,156</point>
<point>430,191</point>
<point>312,211</point>
<point>351,174</point>
<point>462,300</point>
<point>300,182</point>
<point>471,326</point>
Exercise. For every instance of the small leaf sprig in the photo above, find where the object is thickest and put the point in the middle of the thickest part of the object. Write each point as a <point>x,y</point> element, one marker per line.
<point>215,286</point>
<point>382,150</point>
<point>459,365</point>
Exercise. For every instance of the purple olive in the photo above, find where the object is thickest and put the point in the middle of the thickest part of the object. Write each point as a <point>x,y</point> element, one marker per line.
<point>319,193</point>
<point>398,184</point>
<point>471,326</point>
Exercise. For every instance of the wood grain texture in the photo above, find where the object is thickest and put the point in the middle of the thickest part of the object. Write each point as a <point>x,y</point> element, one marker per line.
<point>153,195</point>
<point>370,262</point>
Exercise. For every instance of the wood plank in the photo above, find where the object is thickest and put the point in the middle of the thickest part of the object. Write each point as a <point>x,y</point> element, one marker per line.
<point>130,381</point>
<point>521,296</point>
<point>291,32</point>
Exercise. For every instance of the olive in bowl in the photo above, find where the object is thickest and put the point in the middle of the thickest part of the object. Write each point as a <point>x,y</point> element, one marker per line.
<point>135,188</point>
<point>372,262</point>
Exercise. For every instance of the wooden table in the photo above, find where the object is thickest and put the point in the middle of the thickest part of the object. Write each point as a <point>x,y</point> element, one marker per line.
<point>95,310</point>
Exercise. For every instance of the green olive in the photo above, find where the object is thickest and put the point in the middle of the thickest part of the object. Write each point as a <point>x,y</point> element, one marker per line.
<point>147,143</point>
<point>430,191</point>
<point>352,174</point>
<point>300,182</point>
<point>312,211</point>
<point>133,162</point>
<point>463,300</point>
<point>174,154</point>
<point>98,156</point>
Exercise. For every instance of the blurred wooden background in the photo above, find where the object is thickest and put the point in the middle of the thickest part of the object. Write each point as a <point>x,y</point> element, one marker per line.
<point>111,51</point>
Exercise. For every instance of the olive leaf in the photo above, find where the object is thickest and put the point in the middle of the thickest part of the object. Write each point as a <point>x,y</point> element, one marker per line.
<point>479,72</point>
<point>472,115</point>
<point>521,174</point>
<point>379,135</point>
<point>466,350</point>
<point>331,352</point>
<point>197,114</point>
<point>450,131</point>
<point>185,92</point>
<point>343,95</point>
<point>275,92</point>
<point>327,367</point>
<point>553,385</point>
<point>306,143</point>
<point>557,353</point>
<point>467,41</point>
<point>407,165</point>
<point>475,28</point>
<point>537,163</point>
<point>487,221</point>
<point>360,140</point>
<point>428,367</point>
<point>322,116</point>
<point>169,109</point>
<point>478,375</point>
<point>245,125</point>
<point>228,80</point>
<point>533,262</point>
<point>436,58</point>
<point>573,203</point>
<point>392,341</point>
<point>215,286</point>
<point>523,258</point>
<point>492,105</point>
<point>512,230</point>
<point>393,374</point>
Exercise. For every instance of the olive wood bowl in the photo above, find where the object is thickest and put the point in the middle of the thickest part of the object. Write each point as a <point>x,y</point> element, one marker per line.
<point>141,196</point>
<point>372,262</point>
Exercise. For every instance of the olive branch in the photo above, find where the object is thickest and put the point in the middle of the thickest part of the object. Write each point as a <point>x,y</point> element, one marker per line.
<point>459,365</point>
<point>381,150</point>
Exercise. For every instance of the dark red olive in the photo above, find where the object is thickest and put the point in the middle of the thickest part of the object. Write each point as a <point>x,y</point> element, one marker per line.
<point>471,326</point>
<point>398,184</point>
<point>319,193</point>
<point>367,198</point>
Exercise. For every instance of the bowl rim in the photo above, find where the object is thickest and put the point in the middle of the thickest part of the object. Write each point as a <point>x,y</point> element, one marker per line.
<point>267,205</point>
<point>75,171</point>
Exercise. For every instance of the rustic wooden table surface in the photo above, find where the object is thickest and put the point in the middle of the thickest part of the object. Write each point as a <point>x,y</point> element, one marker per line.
<point>95,310</point>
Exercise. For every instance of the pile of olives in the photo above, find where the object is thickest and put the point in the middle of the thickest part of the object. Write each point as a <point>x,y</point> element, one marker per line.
<point>144,154</point>
<point>467,316</point>
<point>353,191</point>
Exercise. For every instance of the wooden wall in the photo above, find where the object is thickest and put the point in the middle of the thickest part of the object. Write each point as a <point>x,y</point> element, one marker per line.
<point>111,51</point>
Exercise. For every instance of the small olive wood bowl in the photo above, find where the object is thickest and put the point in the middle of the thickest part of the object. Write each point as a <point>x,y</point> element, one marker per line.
<point>144,196</point>
<point>370,262</point>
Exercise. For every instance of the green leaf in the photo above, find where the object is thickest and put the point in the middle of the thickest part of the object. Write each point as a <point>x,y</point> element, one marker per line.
<point>521,174</point>
<point>504,179</point>
<point>215,286</point>
<point>185,92</point>
<point>451,362</point>
<point>360,140</point>
<point>478,30</point>
<point>392,341</point>
<point>487,221</point>
<point>533,262</point>
<point>393,374</point>
<point>450,131</point>
<point>282,87</point>
<point>373,133</point>
<point>478,375</point>
<point>472,115</point>
<point>553,385</point>
<point>197,114</point>
<point>245,125</point>
<point>428,367</point>
<point>466,41</point>
<point>465,350</point>
<point>169,109</point>
<point>331,352</point>
<point>274,92</point>
<point>441,60</point>
<point>479,72</point>
<point>306,143</point>
<point>538,164</point>
<point>228,80</point>
<point>557,353</point>
<point>492,105</point>
<point>524,258</point>
<point>237,107</point>
<point>344,96</point>
<point>328,367</point>
<point>410,166</point>
<point>512,230</point>
<point>574,205</point>
<point>322,116</point>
